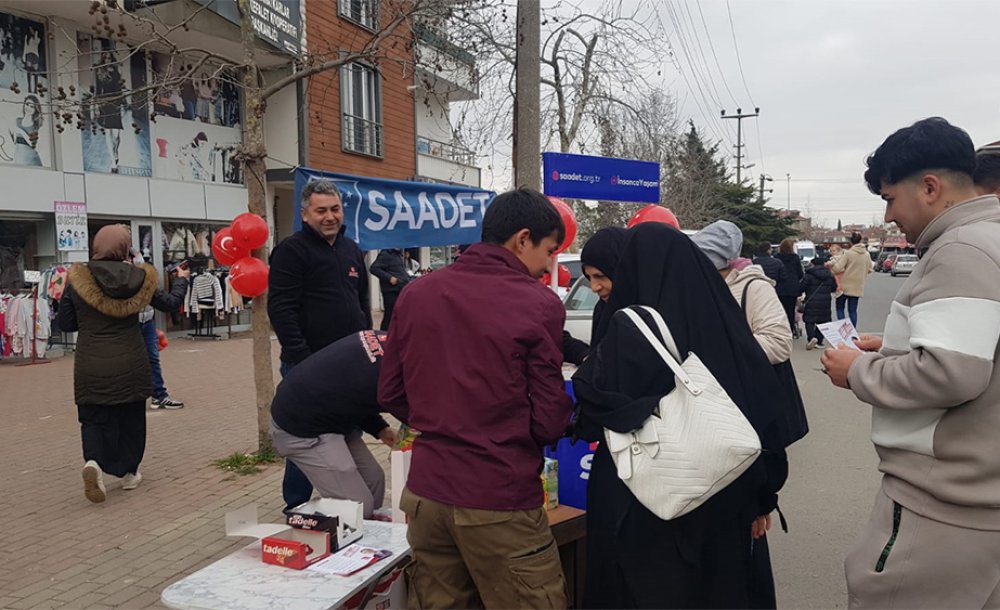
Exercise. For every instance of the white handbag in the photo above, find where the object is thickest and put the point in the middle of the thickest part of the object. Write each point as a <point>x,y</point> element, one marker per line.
<point>695,444</point>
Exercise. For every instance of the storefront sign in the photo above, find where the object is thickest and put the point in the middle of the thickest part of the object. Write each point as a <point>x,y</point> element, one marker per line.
<point>71,226</point>
<point>382,214</point>
<point>278,22</point>
<point>601,178</point>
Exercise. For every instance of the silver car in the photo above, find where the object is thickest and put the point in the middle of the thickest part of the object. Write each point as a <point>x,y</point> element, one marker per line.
<point>904,265</point>
<point>580,302</point>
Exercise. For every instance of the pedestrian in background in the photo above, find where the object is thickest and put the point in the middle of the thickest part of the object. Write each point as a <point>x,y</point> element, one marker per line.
<point>111,373</point>
<point>855,265</point>
<point>317,294</point>
<point>390,269</point>
<point>933,381</point>
<point>147,321</point>
<point>788,292</point>
<point>818,286</point>
<point>987,174</point>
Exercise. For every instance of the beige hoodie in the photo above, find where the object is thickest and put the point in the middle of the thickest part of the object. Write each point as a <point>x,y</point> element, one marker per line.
<point>764,312</point>
<point>935,386</point>
<point>855,265</point>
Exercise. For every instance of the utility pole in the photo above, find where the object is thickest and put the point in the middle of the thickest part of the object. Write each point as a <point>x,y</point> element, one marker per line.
<point>763,178</point>
<point>527,125</point>
<point>788,190</point>
<point>739,116</point>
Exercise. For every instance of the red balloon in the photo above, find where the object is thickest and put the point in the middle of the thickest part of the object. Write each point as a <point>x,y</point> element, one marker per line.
<point>225,249</point>
<point>249,276</point>
<point>546,279</point>
<point>654,213</point>
<point>249,230</point>
<point>161,340</point>
<point>569,219</point>
<point>563,276</point>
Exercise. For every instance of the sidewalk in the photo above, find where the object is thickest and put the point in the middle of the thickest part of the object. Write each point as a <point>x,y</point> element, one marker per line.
<point>63,551</point>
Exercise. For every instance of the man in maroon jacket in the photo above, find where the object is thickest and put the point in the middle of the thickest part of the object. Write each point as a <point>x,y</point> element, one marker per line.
<point>475,364</point>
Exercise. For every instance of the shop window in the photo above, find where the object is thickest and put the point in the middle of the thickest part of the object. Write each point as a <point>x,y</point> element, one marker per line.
<point>361,12</point>
<point>361,101</point>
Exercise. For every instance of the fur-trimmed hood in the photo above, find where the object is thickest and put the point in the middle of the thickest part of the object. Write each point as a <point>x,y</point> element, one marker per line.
<point>114,288</point>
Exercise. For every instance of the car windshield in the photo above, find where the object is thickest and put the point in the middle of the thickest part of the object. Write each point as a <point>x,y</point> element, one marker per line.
<point>908,258</point>
<point>581,297</point>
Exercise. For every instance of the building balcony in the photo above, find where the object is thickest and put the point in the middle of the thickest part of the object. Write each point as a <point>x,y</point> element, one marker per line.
<point>445,162</point>
<point>444,68</point>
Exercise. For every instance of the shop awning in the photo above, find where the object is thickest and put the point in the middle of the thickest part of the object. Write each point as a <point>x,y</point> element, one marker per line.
<point>380,214</point>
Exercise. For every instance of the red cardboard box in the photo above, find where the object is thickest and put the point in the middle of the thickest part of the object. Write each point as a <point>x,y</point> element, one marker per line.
<point>295,548</point>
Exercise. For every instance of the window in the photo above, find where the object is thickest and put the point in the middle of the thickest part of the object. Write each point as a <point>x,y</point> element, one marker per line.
<point>361,12</point>
<point>581,297</point>
<point>361,103</point>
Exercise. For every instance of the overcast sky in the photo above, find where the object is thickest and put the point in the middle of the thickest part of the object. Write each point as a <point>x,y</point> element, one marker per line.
<point>833,78</point>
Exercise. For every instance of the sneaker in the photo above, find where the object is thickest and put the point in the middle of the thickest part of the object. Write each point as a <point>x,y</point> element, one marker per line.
<point>166,403</point>
<point>131,481</point>
<point>93,482</point>
<point>812,343</point>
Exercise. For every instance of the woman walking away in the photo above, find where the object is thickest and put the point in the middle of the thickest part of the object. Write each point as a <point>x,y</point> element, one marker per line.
<point>701,559</point>
<point>788,292</point>
<point>818,285</point>
<point>111,374</point>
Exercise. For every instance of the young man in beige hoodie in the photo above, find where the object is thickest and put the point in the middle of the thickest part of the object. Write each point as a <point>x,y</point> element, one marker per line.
<point>933,381</point>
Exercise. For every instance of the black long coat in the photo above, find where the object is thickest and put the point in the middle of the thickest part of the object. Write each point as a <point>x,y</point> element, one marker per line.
<point>818,285</point>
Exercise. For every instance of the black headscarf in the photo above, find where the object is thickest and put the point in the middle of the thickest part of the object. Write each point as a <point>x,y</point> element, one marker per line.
<point>602,251</point>
<point>623,380</point>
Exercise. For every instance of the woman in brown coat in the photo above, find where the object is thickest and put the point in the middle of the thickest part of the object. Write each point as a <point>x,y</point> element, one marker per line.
<point>111,374</point>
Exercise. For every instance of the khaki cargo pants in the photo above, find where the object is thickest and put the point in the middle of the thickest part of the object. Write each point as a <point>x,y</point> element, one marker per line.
<point>469,558</point>
<point>905,560</point>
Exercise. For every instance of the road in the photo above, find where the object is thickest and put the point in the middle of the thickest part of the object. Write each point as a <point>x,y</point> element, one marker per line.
<point>833,475</point>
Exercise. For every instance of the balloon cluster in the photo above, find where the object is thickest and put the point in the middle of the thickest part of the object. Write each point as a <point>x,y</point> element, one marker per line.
<point>232,246</point>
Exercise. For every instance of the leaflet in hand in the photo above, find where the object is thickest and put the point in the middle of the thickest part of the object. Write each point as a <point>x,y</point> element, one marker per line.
<point>349,560</point>
<point>839,332</point>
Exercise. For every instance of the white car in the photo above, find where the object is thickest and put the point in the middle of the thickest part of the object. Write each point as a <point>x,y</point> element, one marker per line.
<point>904,265</point>
<point>580,302</point>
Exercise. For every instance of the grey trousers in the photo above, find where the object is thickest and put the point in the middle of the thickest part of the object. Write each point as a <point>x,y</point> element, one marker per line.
<point>338,466</point>
<point>905,560</point>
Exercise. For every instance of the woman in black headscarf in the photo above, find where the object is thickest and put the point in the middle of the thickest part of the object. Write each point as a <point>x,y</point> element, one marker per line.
<point>701,559</point>
<point>598,259</point>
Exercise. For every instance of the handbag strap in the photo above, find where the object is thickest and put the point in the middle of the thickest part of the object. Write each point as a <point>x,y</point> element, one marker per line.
<point>661,347</point>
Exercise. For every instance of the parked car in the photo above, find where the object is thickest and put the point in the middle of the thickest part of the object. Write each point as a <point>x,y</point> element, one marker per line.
<point>903,264</point>
<point>888,263</point>
<point>572,262</point>
<point>580,302</point>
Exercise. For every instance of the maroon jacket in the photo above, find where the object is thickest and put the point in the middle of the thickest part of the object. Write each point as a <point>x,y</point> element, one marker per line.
<point>475,364</point>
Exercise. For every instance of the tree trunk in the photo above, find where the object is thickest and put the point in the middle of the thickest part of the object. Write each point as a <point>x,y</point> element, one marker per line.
<point>254,177</point>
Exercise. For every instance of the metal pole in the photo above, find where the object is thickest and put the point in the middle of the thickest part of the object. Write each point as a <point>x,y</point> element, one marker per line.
<point>788,191</point>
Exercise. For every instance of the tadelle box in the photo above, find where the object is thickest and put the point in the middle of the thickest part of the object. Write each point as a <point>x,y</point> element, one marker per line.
<point>341,518</point>
<point>295,548</point>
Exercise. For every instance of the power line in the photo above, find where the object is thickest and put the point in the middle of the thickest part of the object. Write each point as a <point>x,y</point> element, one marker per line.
<point>711,46</point>
<point>736,46</point>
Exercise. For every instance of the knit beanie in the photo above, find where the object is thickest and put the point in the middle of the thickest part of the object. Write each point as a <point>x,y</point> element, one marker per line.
<point>720,241</point>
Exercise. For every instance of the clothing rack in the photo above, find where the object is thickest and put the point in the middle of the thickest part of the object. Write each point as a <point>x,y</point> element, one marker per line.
<point>34,331</point>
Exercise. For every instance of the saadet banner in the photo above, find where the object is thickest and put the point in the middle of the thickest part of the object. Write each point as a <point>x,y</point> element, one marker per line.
<point>601,178</point>
<point>380,214</point>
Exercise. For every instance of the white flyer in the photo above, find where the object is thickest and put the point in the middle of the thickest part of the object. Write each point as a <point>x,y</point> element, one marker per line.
<point>839,332</point>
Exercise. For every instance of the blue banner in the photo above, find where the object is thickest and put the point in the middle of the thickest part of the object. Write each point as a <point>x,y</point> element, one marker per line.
<point>380,214</point>
<point>601,178</point>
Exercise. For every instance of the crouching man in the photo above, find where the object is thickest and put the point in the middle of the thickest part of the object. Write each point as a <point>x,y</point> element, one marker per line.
<point>319,412</point>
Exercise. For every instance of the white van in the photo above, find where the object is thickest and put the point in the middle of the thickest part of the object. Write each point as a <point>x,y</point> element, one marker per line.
<point>806,250</point>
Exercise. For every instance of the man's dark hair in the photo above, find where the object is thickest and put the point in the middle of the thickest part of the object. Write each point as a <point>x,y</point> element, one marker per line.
<point>764,248</point>
<point>855,238</point>
<point>523,208</point>
<point>987,174</point>
<point>929,144</point>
